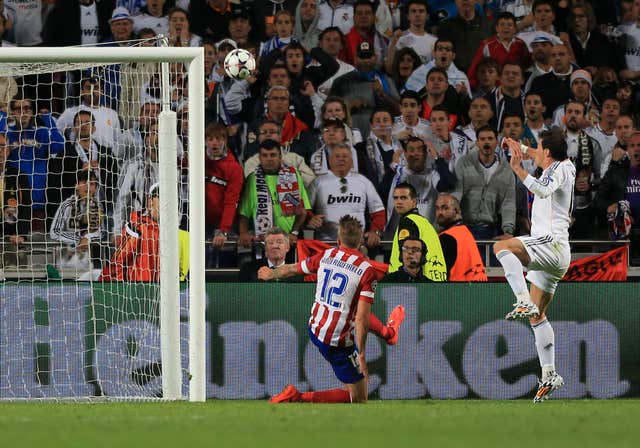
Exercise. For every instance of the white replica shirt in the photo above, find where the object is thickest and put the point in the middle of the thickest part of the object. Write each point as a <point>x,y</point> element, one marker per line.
<point>27,21</point>
<point>425,184</point>
<point>160,25</point>
<point>88,24</point>
<point>107,123</point>
<point>319,161</point>
<point>553,202</point>
<point>341,16</point>
<point>333,198</point>
<point>606,142</point>
<point>423,45</point>
<point>421,130</point>
<point>529,35</point>
<point>418,78</point>
<point>632,44</point>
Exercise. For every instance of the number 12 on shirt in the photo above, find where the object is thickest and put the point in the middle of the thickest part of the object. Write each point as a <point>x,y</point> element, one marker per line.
<point>332,284</point>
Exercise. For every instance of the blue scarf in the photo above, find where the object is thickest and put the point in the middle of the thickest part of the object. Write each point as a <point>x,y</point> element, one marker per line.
<point>374,74</point>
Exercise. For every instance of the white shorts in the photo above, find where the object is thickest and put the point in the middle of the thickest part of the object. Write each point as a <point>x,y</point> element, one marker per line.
<point>550,260</point>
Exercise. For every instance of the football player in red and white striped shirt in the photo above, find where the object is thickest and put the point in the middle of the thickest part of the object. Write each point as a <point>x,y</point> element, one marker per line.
<point>344,295</point>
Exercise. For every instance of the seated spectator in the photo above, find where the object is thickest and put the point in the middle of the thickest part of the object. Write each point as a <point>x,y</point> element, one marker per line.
<point>34,139</point>
<point>78,224</point>
<point>555,87</point>
<point>365,88</point>
<point>413,256</point>
<point>65,25</point>
<point>276,248</point>
<point>306,29</point>
<point>486,189</point>
<point>153,16</point>
<point>281,190</point>
<point>15,203</point>
<point>342,192</point>
<point>223,186</point>
<point>580,85</point>
<point>270,130</point>
<point>464,263</point>
<point>503,47</point>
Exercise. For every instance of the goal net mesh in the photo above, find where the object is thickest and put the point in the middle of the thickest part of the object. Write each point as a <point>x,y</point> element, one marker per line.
<point>80,301</point>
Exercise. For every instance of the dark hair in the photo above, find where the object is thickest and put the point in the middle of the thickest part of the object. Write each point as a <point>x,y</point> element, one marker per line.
<point>363,3</point>
<point>513,64</point>
<point>378,110</point>
<point>537,3</point>
<point>616,100</point>
<point>488,62</point>
<point>85,175</point>
<point>511,115</point>
<point>437,70</point>
<point>486,128</point>
<point>445,39</point>
<point>86,112</point>
<point>350,231</point>
<point>530,93</point>
<point>423,247</point>
<point>588,11</point>
<point>270,144</point>
<point>584,107</point>
<point>410,94</point>
<point>331,29</point>
<point>441,108</point>
<point>406,185</point>
<point>176,9</point>
<point>554,140</point>
<point>417,62</point>
<point>413,138</point>
<point>215,128</point>
<point>506,15</point>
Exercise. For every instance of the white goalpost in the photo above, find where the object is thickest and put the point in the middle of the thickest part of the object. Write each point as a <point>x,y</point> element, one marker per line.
<point>107,338</point>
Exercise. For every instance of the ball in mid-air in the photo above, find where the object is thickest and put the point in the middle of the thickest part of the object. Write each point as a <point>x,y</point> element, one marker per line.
<point>239,64</point>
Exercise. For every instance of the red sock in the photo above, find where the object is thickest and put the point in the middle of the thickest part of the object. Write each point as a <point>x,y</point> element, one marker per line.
<point>326,396</point>
<point>376,327</point>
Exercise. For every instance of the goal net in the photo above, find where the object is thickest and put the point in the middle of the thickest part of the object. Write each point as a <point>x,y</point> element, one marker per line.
<point>102,258</point>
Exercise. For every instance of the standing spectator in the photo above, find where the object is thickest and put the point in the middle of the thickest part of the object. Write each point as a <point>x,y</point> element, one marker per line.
<point>224,179</point>
<point>488,77</point>
<point>34,138</point>
<point>342,192</point>
<point>534,112</point>
<point>481,112</point>
<point>464,263</point>
<point>580,83</point>
<point>508,97</point>
<point>131,140</point>
<point>380,149</point>
<point>266,11</point>
<point>240,26</point>
<point>624,130</point>
<point>444,52</point>
<point>604,133</point>
<point>276,248</point>
<point>409,123</point>
<point>280,190</point>
<point>77,22</point>
<point>364,31</point>
<point>413,253</point>
<point>331,41</point>
<point>336,13</point>
<point>210,18</point>
<point>180,34</point>
<point>153,16</point>
<point>448,145</point>
<point>631,38</point>
<point>405,62</point>
<point>465,30</point>
<point>486,189</point>
<point>581,150</point>
<point>27,17</point>
<point>335,107</point>
<point>284,22</point>
<point>333,133</point>
<point>78,223</point>
<point>503,47</point>
<point>415,36</point>
<point>306,28</point>
<point>543,17</point>
<point>412,224</point>
<point>521,9</point>
<point>438,92</point>
<point>540,52</point>
<point>365,88</point>
<point>554,87</point>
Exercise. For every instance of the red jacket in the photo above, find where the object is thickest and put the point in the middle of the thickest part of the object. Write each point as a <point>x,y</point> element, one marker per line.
<point>223,185</point>
<point>352,40</point>
<point>492,48</point>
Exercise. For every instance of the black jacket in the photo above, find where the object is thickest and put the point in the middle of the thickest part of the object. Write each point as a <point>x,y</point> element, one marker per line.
<point>62,27</point>
<point>401,276</point>
<point>554,91</point>
<point>249,272</point>
<point>612,188</point>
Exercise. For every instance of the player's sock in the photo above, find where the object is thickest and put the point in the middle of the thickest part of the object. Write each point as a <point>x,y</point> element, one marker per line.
<point>378,328</point>
<point>514,274</point>
<point>545,345</point>
<point>326,396</point>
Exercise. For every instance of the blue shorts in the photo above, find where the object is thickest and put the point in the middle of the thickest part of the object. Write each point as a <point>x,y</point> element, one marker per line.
<point>343,360</point>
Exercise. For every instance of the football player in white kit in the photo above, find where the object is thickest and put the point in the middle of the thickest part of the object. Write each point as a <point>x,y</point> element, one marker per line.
<point>546,252</point>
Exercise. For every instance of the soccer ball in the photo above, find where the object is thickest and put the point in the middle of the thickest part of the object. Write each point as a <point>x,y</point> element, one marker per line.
<point>239,64</point>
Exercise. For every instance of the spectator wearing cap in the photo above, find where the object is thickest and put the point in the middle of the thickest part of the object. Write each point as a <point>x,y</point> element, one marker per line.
<point>592,48</point>
<point>153,16</point>
<point>581,84</point>
<point>465,30</point>
<point>240,26</point>
<point>210,18</point>
<point>503,47</point>
<point>364,31</point>
<point>540,52</point>
<point>121,26</point>
<point>555,87</point>
<point>366,88</point>
<point>273,195</point>
<point>67,23</point>
<point>543,17</point>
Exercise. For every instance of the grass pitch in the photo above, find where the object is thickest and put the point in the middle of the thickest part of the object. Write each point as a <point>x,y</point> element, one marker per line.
<point>392,424</point>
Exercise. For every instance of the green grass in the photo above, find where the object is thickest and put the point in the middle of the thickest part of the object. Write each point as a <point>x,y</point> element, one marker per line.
<point>392,424</point>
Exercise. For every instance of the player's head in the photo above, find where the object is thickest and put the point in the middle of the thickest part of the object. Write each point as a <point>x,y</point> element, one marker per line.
<point>404,198</point>
<point>276,245</point>
<point>413,252</point>
<point>447,210</point>
<point>349,232</point>
<point>555,142</point>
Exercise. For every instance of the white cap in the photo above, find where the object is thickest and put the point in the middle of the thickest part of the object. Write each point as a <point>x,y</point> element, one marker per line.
<point>120,13</point>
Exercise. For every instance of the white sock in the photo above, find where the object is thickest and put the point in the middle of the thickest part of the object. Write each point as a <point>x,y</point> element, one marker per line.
<point>545,345</point>
<point>514,274</point>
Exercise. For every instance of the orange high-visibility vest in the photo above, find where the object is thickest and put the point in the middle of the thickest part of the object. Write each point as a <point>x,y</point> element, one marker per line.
<point>468,266</point>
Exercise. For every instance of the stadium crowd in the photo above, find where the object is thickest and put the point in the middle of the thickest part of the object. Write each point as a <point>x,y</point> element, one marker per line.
<point>377,109</point>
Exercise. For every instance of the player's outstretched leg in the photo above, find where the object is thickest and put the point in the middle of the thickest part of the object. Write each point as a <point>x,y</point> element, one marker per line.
<point>288,395</point>
<point>388,332</point>
<point>292,395</point>
<point>547,385</point>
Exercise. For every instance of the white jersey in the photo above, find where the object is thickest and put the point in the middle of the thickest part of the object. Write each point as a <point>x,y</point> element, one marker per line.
<point>344,278</point>
<point>340,16</point>
<point>332,197</point>
<point>159,25</point>
<point>423,45</point>
<point>422,129</point>
<point>631,39</point>
<point>606,142</point>
<point>106,120</point>
<point>553,202</point>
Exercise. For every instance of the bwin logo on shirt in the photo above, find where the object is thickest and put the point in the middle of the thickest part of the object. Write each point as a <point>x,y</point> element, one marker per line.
<point>345,199</point>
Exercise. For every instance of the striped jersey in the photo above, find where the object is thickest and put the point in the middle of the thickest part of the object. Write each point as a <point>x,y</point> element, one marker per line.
<point>344,277</point>
<point>553,201</point>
